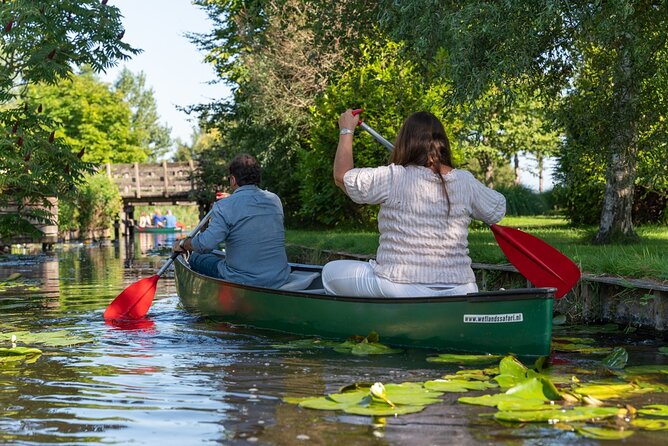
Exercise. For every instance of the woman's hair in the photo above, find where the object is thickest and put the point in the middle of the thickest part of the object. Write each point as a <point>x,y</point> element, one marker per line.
<point>422,142</point>
<point>245,169</point>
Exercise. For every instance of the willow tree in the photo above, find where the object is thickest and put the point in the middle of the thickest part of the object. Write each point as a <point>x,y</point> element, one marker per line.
<point>549,42</point>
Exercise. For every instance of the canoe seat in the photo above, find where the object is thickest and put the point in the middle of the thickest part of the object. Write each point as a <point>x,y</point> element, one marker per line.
<point>300,280</point>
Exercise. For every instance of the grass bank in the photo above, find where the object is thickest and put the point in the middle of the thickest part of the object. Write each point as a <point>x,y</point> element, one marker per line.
<point>647,259</point>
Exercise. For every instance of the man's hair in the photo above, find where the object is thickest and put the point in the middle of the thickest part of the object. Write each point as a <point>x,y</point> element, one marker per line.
<point>245,169</point>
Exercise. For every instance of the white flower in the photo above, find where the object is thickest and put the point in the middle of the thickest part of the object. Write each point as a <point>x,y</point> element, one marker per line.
<point>378,390</point>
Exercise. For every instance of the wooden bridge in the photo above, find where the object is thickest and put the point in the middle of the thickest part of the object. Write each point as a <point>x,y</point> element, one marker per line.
<point>153,183</point>
<point>169,183</point>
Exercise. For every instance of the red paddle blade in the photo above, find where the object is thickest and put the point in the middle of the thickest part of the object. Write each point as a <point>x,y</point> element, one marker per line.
<point>537,261</point>
<point>133,303</point>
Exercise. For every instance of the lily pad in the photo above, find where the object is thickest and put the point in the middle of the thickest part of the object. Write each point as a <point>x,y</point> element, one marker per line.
<point>382,411</point>
<point>556,415</point>
<point>19,354</point>
<point>580,348</point>
<point>646,369</point>
<point>365,348</point>
<point>322,403</point>
<point>60,338</point>
<point>450,358</point>
<point>663,350</point>
<point>453,385</point>
<point>609,391</point>
<point>602,433</point>
<point>656,410</point>
<point>650,425</point>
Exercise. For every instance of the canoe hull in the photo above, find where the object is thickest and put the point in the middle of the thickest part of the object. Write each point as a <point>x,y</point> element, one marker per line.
<point>159,230</point>
<point>517,321</point>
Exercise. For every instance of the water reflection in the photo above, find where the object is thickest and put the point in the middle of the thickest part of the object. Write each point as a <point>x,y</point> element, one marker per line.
<point>175,379</point>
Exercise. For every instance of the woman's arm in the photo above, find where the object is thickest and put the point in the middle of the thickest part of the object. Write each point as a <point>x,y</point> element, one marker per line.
<point>343,161</point>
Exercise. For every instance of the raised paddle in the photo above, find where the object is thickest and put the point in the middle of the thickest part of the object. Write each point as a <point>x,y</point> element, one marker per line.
<point>538,262</point>
<point>133,303</point>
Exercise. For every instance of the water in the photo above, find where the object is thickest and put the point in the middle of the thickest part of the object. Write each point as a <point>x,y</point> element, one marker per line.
<point>179,380</point>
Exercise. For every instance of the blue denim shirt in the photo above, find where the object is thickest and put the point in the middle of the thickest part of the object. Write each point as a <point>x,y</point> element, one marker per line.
<point>250,222</point>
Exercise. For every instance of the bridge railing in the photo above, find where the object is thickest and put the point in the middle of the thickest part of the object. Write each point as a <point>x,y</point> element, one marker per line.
<point>153,180</point>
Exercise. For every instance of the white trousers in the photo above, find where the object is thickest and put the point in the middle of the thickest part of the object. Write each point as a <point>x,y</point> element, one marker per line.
<point>356,278</point>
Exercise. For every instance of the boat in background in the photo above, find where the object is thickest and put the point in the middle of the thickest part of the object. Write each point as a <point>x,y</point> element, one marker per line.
<point>517,321</point>
<point>156,230</point>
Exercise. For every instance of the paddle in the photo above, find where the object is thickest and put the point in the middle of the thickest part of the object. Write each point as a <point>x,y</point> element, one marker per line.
<point>133,303</point>
<point>538,262</point>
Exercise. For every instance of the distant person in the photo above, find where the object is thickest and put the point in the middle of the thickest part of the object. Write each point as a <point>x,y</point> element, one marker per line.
<point>426,206</point>
<point>250,222</point>
<point>158,220</point>
<point>170,219</point>
<point>144,220</point>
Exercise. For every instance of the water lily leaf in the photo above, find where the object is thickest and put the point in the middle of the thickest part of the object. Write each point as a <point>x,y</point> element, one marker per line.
<point>646,369</point>
<point>580,348</point>
<point>650,425</point>
<point>536,388</point>
<point>657,410</point>
<point>364,348</point>
<point>617,359</point>
<point>608,391</point>
<point>453,385</point>
<point>376,409</point>
<point>11,277</point>
<point>557,415</point>
<point>60,338</point>
<point>663,350</point>
<point>19,354</point>
<point>524,404</point>
<point>602,433</point>
<point>477,375</point>
<point>322,403</point>
<point>510,365</point>
<point>307,343</point>
<point>354,397</point>
<point>412,394</point>
<point>296,399</point>
<point>488,400</point>
<point>573,340</point>
<point>450,358</point>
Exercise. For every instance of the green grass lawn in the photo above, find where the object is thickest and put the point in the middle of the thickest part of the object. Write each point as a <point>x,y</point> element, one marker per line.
<point>646,259</point>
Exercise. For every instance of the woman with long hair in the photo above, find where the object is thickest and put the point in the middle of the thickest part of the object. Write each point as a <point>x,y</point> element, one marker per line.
<point>426,205</point>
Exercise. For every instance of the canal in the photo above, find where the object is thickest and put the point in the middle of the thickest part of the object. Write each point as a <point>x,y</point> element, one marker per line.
<point>175,379</point>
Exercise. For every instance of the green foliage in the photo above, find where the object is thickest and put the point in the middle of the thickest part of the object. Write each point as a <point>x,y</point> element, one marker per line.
<point>94,207</point>
<point>146,129</point>
<point>520,200</point>
<point>389,88</point>
<point>41,43</point>
<point>92,119</point>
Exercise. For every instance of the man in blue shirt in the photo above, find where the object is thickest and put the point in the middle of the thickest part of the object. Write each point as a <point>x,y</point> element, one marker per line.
<point>170,219</point>
<point>250,222</point>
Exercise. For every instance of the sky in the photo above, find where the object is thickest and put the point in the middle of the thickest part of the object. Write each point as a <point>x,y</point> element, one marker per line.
<point>175,68</point>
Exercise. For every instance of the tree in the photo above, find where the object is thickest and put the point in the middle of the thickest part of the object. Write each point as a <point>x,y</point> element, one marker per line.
<point>550,43</point>
<point>92,119</point>
<point>42,42</point>
<point>147,131</point>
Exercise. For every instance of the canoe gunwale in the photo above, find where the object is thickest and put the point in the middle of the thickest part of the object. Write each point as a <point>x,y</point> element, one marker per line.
<point>484,296</point>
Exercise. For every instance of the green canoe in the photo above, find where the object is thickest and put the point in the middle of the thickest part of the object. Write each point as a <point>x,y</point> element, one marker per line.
<point>155,230</point>
<point>517,321</point>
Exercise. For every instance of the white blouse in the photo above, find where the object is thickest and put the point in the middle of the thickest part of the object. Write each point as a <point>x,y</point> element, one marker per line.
<point>419,241</point>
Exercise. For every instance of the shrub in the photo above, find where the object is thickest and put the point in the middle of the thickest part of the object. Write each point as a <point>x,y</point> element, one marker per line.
<point>520,200</point>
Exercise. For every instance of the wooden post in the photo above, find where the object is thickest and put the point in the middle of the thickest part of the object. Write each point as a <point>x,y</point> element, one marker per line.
<point>165,193</point>
<point>137,183</point>
<point>109,170</point>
